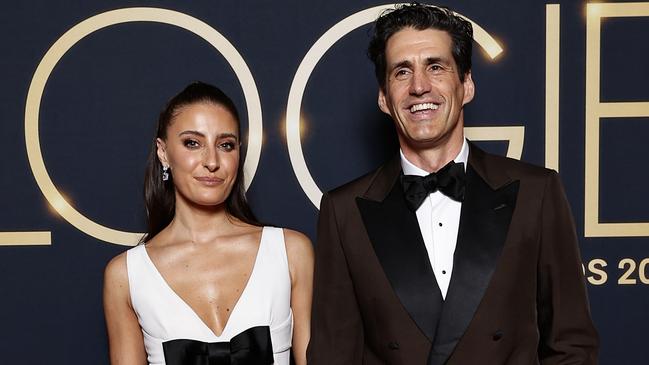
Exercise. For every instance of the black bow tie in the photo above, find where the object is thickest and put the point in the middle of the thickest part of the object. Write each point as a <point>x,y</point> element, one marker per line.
<point>449,180</point>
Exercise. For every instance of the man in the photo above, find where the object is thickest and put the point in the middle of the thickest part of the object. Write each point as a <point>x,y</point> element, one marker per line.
<point>477,263</point>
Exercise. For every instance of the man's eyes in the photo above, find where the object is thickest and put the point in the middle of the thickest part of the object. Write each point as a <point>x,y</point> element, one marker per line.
<point>401,73</point>
<point>404,73</point>
<point>437,67</point>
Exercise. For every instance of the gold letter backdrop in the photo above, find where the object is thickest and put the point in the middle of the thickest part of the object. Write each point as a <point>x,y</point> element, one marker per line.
<point>561,84</point>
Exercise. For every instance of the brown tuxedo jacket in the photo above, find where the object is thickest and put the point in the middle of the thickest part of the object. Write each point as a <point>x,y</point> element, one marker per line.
<point>516,295</point>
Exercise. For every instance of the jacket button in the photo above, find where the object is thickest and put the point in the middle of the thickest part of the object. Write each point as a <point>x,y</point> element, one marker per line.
<point>497,335</point>
<point>393,345</point>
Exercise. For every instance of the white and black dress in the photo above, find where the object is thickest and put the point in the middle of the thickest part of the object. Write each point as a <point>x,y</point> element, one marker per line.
<point>259,329</point>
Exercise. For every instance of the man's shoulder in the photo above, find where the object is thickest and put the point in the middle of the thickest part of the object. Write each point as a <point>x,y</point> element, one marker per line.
<point>515,169</point>
<point>359,186</point>
<point>355,187</point>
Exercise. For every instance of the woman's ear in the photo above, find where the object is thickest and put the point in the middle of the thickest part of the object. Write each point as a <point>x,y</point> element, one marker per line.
<point>161,151</point>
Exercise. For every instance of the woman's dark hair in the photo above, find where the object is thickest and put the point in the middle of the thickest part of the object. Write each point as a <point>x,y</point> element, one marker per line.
<point>159,195</point>
<point>421,17</point>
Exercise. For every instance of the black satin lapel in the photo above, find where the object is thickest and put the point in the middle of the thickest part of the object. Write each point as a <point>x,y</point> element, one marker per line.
<point>484,223</point>
<point>394,232</point>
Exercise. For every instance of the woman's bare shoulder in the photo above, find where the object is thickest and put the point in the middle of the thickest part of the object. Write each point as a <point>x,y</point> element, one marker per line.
<point>116,267</point>
<point>298,246</point>
<point>295,237</point>
<point>116,277</point>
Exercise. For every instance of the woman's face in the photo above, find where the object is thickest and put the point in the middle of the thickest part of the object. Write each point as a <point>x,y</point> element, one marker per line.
<point>202,152</point>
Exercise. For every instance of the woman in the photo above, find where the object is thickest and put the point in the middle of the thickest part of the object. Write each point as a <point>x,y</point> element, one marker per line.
<point>210,285</point>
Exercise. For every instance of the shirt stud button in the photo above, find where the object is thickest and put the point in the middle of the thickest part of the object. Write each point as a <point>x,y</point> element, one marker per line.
<point>497,335</point>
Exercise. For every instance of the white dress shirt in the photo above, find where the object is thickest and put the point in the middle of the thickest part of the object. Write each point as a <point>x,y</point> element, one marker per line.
<point>439,220</point>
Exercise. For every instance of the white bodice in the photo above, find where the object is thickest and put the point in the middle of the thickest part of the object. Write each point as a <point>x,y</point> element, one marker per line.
<point>265,301</point>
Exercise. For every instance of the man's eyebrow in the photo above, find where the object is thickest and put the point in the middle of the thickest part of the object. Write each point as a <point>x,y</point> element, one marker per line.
<point>431,60</point>
<point>404,63</point>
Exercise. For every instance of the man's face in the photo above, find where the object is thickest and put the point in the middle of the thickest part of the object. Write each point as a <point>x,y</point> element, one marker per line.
<point>423,93</point>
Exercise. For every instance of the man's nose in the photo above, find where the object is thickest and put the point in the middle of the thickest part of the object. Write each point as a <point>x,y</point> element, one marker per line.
<point>419,83</point>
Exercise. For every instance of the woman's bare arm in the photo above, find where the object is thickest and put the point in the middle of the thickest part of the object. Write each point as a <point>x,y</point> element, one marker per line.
<point>300,259</point>
<point>124,333</point>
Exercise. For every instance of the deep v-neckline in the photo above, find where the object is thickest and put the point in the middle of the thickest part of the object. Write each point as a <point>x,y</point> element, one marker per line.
<point>191,310</point>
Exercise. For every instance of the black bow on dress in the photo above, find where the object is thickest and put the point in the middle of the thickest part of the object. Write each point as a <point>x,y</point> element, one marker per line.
<point>251,347</point>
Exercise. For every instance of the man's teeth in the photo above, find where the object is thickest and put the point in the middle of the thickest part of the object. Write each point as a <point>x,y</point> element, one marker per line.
<point>424,106</point>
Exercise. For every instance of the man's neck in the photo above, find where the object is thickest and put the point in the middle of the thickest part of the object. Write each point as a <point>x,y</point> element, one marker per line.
<point>433,159</point>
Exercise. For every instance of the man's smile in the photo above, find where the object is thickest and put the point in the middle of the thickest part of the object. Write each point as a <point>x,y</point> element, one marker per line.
<point>423,106</point>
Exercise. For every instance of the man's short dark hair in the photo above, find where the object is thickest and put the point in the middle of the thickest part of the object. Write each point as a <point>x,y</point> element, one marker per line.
<point>421,17</point>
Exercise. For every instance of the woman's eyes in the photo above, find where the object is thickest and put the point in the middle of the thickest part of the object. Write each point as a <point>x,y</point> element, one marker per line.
<point>227,146</point>
<point>190,143</point>
<point>224,145</point>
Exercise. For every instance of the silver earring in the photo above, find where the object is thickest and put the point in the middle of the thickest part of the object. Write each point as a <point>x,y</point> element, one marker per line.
<point>165,173</point>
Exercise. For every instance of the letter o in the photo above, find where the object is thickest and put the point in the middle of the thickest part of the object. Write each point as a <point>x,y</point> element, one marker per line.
<point>311,59</point>
<point>83,29</point>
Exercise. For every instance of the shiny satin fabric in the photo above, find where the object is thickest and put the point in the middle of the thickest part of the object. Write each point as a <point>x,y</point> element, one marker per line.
<point>450,180</point>
<point>251,347</point>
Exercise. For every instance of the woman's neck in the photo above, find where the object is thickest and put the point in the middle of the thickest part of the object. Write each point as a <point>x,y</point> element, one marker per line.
<point>200,224</point>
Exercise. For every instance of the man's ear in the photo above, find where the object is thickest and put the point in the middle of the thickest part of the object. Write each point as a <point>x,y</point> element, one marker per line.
<point>161,151</point>
<point>469,88</point>
<point>383,105</point>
